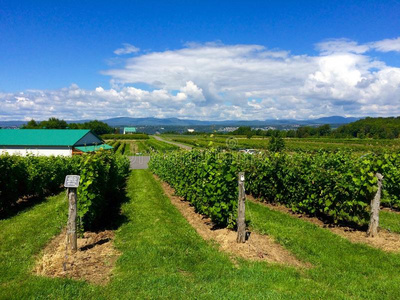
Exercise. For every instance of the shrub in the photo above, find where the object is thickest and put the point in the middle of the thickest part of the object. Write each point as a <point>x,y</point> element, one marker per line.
<point>276,144</point>
<point>208,180</point>
<point>103,177</point>
<point>337,187</point>
<point>102,180</point>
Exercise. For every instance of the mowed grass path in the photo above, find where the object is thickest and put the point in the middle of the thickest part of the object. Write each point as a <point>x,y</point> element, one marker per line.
<point>163,257</point>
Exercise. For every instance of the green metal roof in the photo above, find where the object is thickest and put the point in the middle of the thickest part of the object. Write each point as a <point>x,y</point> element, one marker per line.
<point>41,137</point>
<point>94,148</point>
<point>130,129</point>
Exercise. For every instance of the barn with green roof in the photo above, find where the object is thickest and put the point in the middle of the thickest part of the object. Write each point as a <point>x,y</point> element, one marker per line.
<point>128,130</point>
<point>66,142</point>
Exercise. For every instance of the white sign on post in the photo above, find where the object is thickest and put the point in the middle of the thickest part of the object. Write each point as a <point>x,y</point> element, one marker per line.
<point>241,177</point>
<point>72,181</point>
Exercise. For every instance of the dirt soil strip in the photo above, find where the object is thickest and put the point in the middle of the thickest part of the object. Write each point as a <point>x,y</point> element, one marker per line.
<point>387,241</point>
<point>257,247</point>
<point>392,210</point>
<point>93,261</point>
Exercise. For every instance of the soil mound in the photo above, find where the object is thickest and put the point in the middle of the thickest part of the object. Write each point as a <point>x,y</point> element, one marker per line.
<point>93,261</point>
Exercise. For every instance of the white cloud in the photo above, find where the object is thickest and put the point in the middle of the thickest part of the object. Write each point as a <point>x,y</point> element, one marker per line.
<point>192,91</point>
<point>127,49</point>
<point>341,45</point>
<point>349,46</point>
<point>215,81</point>
<point>387,45</point>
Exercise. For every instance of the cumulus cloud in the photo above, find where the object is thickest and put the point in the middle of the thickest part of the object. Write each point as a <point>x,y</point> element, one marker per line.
<point>127,49</point>
<point>192,91</point>
<point>215,82</point>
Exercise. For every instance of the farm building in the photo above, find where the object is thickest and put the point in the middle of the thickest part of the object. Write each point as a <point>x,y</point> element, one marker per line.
<point>66,142</point>
<point>129,130</point>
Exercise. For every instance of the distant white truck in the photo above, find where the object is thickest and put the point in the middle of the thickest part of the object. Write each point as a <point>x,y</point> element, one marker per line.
<point>249,151</point>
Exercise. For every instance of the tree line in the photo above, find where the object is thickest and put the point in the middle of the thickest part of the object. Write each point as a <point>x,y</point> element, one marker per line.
<point>301,132</point>
<point>95,126</point>
<point>375,128</point>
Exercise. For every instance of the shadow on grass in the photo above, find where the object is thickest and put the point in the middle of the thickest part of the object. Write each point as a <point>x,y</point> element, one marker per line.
<point>112,218</point>
<point>327,221</point>
<point>22,205</point>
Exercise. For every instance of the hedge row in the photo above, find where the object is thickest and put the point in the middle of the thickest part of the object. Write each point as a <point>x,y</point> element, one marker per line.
<point>205,179</point>
<point>32,176</point>
<point>102,174</point>
<point>130,136</point>
<point>334,186</point>
<point>103,180</point>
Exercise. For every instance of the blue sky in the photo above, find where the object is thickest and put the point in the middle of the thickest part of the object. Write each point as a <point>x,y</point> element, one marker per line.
<point>65,52</point>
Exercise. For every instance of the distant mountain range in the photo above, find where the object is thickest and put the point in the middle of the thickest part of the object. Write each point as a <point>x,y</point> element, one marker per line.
<point>183,122</point>
<point>125,121</point>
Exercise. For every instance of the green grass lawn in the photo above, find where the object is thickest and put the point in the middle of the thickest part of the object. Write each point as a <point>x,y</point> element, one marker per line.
<point>389,220</point>
<point>291,144</point>
<point>339,264</point>
<point>142,147</point>
<point>21,238</point>
<point>163,257</point>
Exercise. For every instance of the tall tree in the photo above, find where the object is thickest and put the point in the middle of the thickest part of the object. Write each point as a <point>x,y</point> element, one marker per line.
<point>53,123</point>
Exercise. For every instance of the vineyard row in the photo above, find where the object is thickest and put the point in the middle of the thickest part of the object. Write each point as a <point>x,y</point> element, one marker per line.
<point>102,180</point>
<point>337,186</point>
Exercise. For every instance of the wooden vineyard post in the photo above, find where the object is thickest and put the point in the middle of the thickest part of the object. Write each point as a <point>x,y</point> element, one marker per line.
<point>72,239</point>
<point>375,207</point>
<point>72,183</point>
<point>241,221</point>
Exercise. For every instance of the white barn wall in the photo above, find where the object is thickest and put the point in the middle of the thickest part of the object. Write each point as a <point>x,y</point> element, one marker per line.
<point>45,151</point>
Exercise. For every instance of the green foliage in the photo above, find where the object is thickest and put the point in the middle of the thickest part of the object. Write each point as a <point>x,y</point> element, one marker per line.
<point>388,164</point>
<point>131,147</point>
<point>208,180</point>
<point>32,176</point>
<point>102,179</point>
<point>120,149</point>
<point>160,146</point>
<point>95,126</point>
<point>276,144</point>
<point>335,186</point>
<point>158,245</point>
<point>294,144</point>
<point>31,125</point>
<point>12,180</point>
<point>380,128</point>
<point>243,130</point>
<point>131,136</point>
<point>51,123</point>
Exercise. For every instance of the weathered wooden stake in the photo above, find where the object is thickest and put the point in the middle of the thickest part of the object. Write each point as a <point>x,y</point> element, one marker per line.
<point>241,221</point>
<point>71,225</point>
<point>375,207</point>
